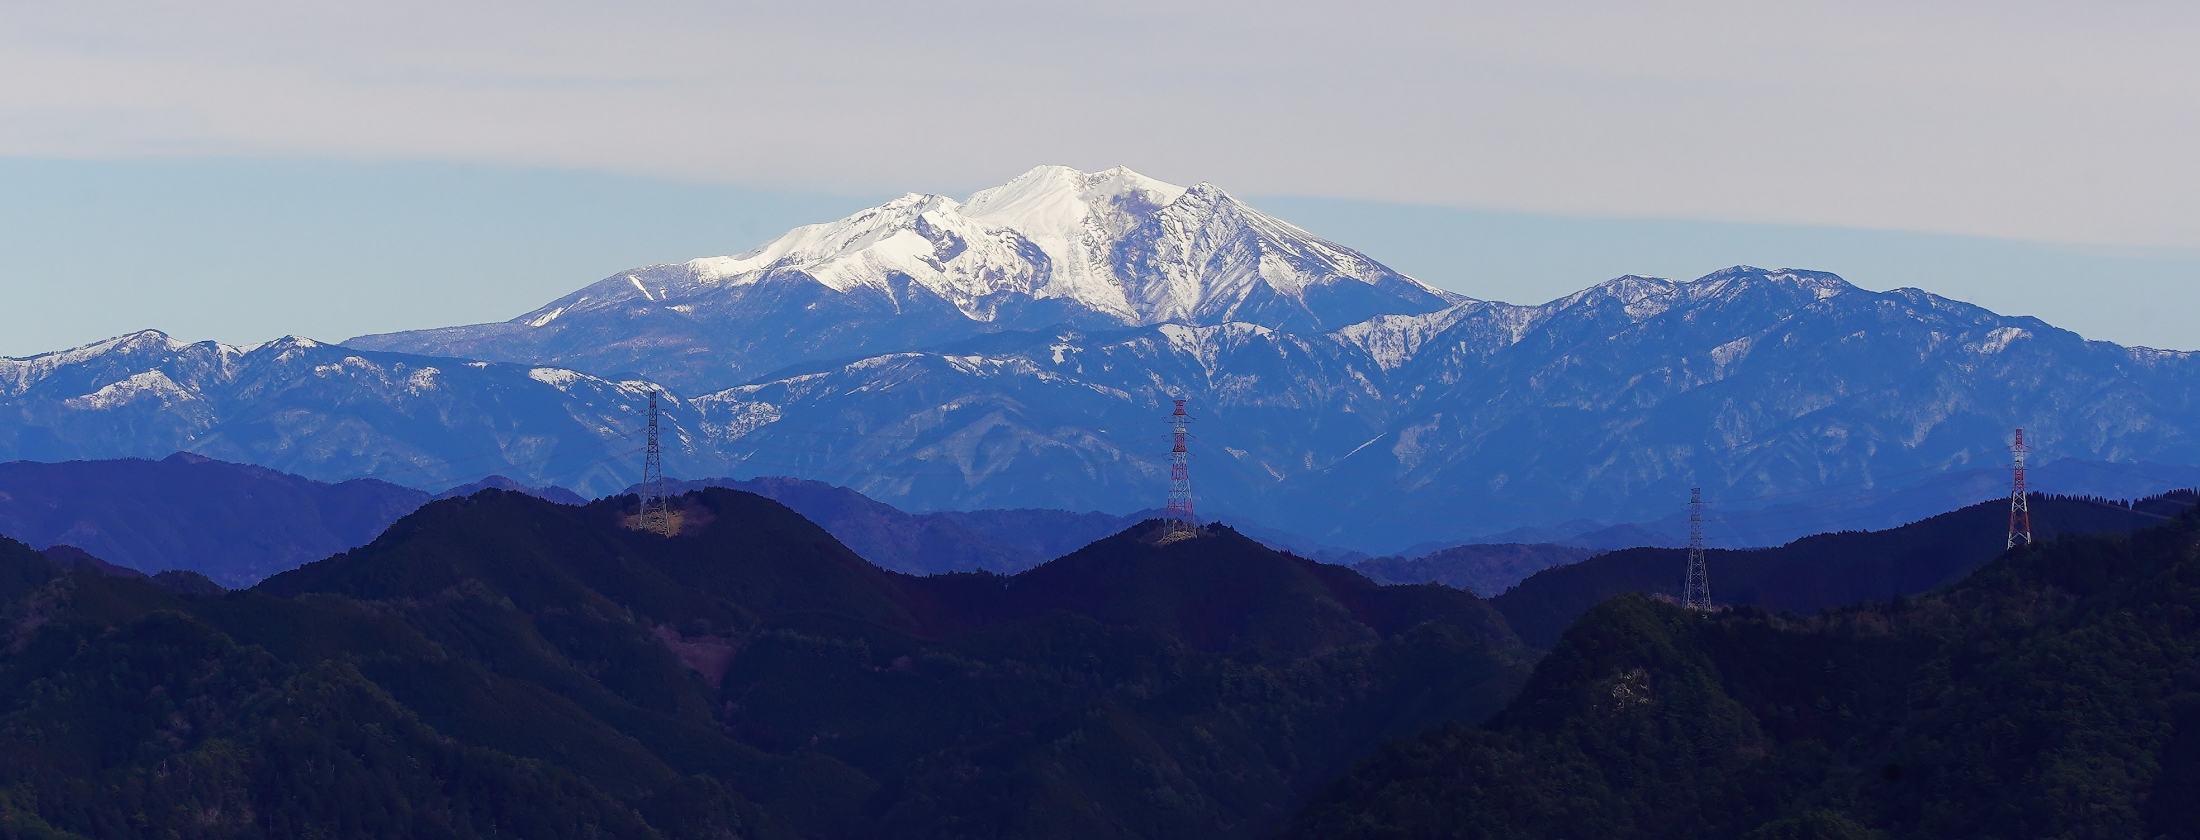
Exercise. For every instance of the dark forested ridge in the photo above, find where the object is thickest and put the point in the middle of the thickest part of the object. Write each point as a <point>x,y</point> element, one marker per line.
<point>1820,571</point>
<point>501,666</point>
<point>2053,693</point>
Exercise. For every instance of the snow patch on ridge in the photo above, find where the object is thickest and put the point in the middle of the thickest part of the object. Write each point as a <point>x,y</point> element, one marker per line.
<point>423,380</point>
<point>1732,351</point>
<point>2001,338</point>
<point>152,385</point>
<point>1393,340</point>
<point>557,378</point>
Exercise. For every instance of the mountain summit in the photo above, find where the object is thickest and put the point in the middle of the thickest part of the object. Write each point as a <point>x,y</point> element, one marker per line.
<point>1055,245</point>
<point>1851,408</point>
<point>1016,348</point>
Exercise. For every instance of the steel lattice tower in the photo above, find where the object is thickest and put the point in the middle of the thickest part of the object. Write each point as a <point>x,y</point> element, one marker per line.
<point>1182,523</point>
<point>656,515</point>
<point>1696,594</point>
<point>2020,510</point>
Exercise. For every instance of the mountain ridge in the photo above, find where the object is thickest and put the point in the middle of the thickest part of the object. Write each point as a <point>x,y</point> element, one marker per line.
<point>753,673</point>
<point>2048,694</point>
<point>1370,423</point>
<point>749,677</point>
<point>1054,245</point>
<point>1820,571</point>
<point>1826,386</point>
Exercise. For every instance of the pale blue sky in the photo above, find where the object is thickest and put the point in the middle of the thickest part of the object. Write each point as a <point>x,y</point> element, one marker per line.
<point>243,250</point>
<point>237,169</point>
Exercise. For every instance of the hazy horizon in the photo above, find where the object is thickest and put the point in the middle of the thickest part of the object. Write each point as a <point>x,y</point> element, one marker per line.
<point>242,250</point>
<point>163,164</point>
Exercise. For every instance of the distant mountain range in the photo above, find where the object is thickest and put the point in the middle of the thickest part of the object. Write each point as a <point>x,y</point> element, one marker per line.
<point>552,493</point>
<point>325,412</point>
<point>232,523</point>
<point>1002,541</point>
<point>1016,349</point>
<point>1483,569</point>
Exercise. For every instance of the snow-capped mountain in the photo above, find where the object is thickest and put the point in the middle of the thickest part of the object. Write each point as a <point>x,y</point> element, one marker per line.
<point>1016,349</point>
<point>1053,246</point>
<point>324,412</point>
<point>1765,387</point>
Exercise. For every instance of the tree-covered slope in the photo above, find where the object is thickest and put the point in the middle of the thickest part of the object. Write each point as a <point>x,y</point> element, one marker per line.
<point>750,677</point>
<point>1819,571</point>
<point>2053,693</point>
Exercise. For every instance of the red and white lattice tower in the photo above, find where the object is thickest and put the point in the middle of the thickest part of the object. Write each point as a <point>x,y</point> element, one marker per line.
<point>2020,511</point>
<point>1182,523</point>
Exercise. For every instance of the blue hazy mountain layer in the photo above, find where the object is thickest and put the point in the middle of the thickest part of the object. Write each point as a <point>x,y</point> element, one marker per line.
<point>1000,540</point>
<point>1763,387</point>
<point>233,523</point>
<point>237,523</point>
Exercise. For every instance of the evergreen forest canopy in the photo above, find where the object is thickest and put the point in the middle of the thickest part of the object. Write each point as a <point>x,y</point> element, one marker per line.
<point>502,666</point>
<point>2054,693</point>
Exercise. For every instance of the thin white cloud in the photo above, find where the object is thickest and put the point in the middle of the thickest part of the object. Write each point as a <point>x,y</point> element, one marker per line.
<point>2062,122</point>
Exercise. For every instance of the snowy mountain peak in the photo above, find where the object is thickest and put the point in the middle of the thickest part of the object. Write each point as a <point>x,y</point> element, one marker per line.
<point>1060,199</point>
<point>1131,248</point>
<point>139,341</point>
<point>1077,218</point>
<point>1726,282</point>
<point>1643,297</point>
<point>1209,258</point>
<point>1053,245</point>
<point>926,239</point>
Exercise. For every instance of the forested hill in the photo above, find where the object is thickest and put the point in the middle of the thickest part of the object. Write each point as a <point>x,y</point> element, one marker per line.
<point>502,666</point>
<point>1821,571</point>
<point>2053,693</point>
